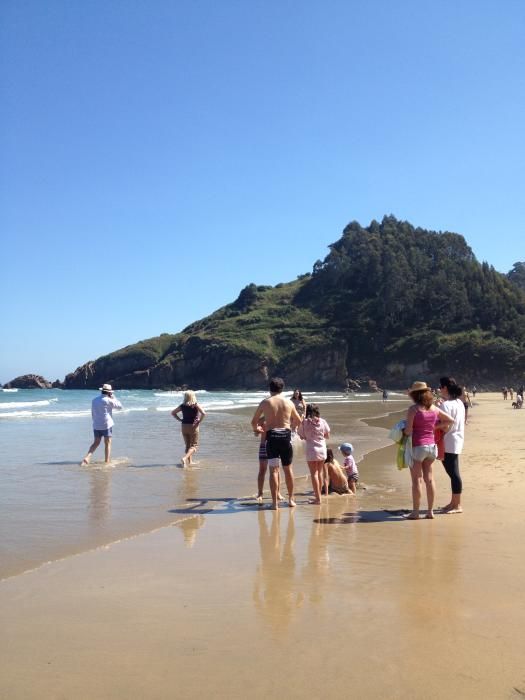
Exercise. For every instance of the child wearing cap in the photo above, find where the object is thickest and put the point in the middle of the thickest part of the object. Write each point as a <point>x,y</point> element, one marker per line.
<point>349,466</point>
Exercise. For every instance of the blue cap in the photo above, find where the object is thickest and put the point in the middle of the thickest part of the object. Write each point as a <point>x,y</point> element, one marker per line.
<point>346,447</point>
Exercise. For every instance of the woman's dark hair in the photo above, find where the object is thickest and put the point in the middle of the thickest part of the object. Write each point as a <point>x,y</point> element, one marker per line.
<point>454,390</point>
<point>308,411</point>
<point>423,397</point>
<point>299,395</point>
<point>314,411</point>
<point>329,455</point>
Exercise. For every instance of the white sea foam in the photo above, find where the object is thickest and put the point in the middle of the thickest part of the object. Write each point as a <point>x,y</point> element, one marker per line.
<point>24,404</point>
<point>45,414</point>
<point>11,391</point>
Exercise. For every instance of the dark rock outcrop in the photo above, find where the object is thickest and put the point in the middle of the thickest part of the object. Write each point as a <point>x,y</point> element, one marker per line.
<point>28,381</point>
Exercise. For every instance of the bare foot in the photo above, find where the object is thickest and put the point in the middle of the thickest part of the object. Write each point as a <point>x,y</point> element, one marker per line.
<point>430,515</point>
<point>452,511</point>
<point>280,497</point>
<point>314,502</point>
<point>291,503</point>
<point>84,462</point>
<point>412,516</point>
<point>259,498</point>
<point>274,506</point>
<point>183,462</point>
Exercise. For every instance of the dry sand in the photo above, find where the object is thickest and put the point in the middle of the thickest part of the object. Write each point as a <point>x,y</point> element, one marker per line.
<point>342,600</point>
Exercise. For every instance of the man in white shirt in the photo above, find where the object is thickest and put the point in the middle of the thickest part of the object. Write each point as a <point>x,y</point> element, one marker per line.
<point>101,412</point>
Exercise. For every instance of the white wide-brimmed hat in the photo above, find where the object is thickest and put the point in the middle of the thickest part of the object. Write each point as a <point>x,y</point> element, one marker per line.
<point>106,387</point>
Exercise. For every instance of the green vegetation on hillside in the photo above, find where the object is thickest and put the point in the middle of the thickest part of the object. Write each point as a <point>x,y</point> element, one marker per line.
<point>388,301</point>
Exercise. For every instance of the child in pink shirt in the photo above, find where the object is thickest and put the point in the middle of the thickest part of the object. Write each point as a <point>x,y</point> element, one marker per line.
<point>349,465</point>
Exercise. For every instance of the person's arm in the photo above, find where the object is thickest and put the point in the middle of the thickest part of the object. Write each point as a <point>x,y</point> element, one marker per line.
<point>201,413</point>
<point>326,431</point>
<point>175,413</point>
<point>259,411</point>
<point>445,421</point>
<point>115,403</point>
<point>295,418</point>
<point>410,420</point>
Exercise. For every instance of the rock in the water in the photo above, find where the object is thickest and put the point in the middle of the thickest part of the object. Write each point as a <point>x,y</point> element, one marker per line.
<point>28,381</point>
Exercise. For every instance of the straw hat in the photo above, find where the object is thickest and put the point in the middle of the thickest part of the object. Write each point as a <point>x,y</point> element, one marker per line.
<point>418,386</point>
<point>106,387</point>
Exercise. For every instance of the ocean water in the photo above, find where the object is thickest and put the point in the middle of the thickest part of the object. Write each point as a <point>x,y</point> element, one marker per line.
<point>51,507</point>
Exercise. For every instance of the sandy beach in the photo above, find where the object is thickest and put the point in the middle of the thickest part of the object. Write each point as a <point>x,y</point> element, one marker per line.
<point>344,599</point>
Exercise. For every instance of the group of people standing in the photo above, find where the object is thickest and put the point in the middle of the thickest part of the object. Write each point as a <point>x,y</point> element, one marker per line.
<point>277,419</point>
<point>423,421</point>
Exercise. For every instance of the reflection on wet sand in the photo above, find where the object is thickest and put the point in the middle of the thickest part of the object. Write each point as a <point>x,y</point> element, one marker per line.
<point>277,594</point>
<point>99,507</point>
<point>190,527</point>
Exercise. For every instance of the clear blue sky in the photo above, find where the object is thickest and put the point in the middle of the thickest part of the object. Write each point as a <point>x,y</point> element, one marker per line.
<point>158,156</point>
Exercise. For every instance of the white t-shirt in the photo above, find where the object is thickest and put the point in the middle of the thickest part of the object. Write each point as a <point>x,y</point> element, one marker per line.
<point>455,437</point>
<point>101,410</point>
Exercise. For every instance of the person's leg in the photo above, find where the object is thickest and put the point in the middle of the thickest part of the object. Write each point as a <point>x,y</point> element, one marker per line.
<point>429,483</point>
<point>288,476</point>
<point>314,475</point>
<point>92,448</point>
<point>189,454</point>
<point>416,474</point>
<point>263,463</point>
<point>107,449</point>
<point>280,497</point>
<point>352,485</point>
<point>274,484</point>
<point>451,464</point>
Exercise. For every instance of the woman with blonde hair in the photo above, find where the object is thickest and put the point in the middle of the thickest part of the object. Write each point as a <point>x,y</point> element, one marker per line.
<point>192,417</point>
<point>423,418</point>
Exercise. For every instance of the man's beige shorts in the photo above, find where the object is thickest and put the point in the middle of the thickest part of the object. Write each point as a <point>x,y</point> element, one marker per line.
<point>190,433</point>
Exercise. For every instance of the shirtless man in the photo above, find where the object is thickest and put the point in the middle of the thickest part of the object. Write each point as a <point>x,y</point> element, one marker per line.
<point>280,417</point>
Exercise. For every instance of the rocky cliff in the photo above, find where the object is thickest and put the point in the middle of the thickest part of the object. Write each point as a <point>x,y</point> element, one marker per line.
<point>391,301</point>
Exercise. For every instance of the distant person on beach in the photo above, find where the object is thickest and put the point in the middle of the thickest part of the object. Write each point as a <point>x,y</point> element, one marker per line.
<point>511,393</point>
<point>505,391</point>
<point>337,480</point>
<point>520,391</point>
<point>315,431</point>
<point>453,439</point>
<point>474,391</point>
<point>102,414</point>
<point>192,417</point>
<point>281,417</point>
<point>349,465</point>
<point>465,397</point>
<point>422,420</point>
<point>298,402</point>
<point>263,465</point>
<point>385,395</point>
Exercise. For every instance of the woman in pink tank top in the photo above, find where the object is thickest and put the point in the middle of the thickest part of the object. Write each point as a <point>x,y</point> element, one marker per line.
<point>422,420</point>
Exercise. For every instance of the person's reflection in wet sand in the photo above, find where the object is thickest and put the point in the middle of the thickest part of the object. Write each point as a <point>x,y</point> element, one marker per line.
<point>276,595</point>
<point>190,527</point>
<point>317,566</point>
<point>189,486</point>
<point>99,507</point>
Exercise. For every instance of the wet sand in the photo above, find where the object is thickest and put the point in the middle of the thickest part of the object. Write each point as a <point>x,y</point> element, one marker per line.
<point>339,600</point>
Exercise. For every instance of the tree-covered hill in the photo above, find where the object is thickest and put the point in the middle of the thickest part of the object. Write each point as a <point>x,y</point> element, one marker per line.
<point>389,301</point>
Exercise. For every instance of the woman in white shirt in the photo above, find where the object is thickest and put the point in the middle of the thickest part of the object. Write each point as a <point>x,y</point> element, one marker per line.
<point>453,439</point>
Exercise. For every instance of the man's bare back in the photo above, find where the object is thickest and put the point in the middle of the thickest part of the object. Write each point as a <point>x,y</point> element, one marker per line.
<point>278,412</point>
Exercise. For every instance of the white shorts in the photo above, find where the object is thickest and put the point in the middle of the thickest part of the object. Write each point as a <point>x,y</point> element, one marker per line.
<point>422,452</point>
